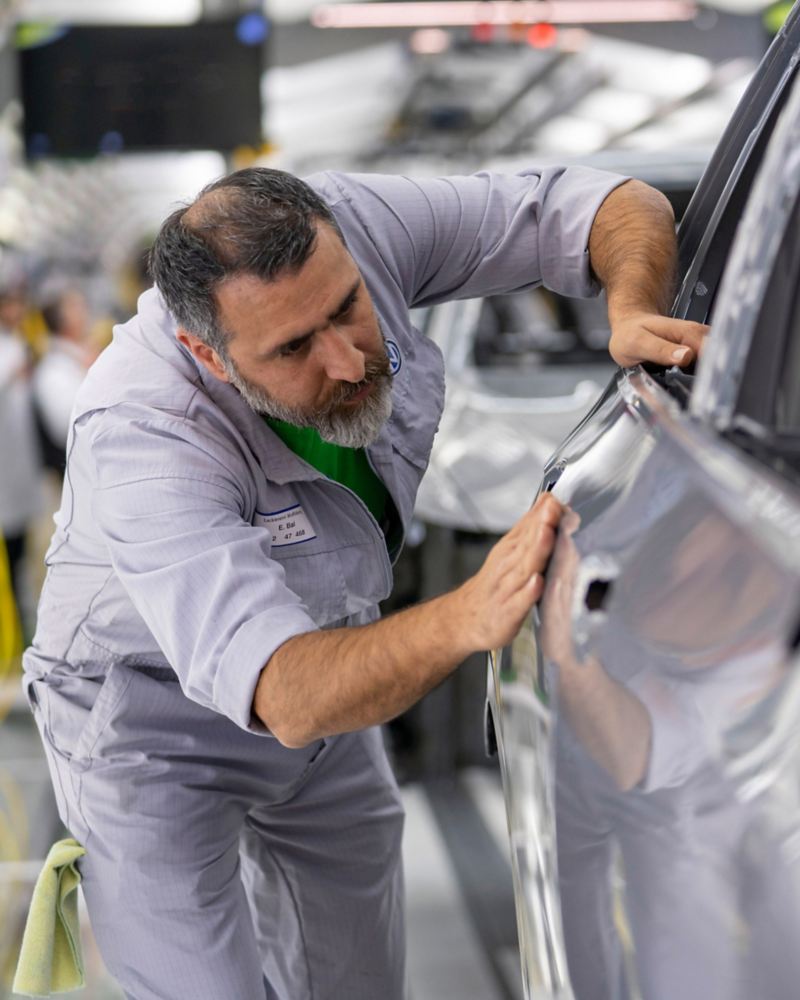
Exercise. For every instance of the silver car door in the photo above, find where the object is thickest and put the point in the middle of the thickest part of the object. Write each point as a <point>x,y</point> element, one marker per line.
<point>640,474</point>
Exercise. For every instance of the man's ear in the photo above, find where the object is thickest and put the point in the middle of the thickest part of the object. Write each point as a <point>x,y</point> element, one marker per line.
<point>203,354</point>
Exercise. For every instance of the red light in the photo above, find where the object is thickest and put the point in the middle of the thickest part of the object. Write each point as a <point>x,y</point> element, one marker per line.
<point>542,36</point>
<point>482,32</point>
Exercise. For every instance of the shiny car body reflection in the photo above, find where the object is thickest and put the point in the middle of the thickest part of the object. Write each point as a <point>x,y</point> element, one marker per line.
<point>521,369</point>
<point>648,713</point>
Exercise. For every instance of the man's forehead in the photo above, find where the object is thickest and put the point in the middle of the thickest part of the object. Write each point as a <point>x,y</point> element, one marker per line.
<point>327,256</point>
<point>291,305</point>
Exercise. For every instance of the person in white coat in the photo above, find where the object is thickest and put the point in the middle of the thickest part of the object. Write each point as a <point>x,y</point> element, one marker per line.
<point>62,369</point>
<point>20,482</point>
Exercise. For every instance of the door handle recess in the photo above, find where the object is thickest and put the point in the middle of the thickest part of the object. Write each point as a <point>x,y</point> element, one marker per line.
<point>597,593</point>
<point>594,584</point>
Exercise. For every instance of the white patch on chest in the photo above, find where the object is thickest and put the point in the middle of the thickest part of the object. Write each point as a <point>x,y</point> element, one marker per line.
<point>289,526</point>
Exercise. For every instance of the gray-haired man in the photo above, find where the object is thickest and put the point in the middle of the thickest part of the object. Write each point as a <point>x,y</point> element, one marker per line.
<point>209,670</point>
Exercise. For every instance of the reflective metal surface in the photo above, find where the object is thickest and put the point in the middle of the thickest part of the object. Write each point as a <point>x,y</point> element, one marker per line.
<point>520,698</point>
<point>521,370</point>
<point>647,714</point>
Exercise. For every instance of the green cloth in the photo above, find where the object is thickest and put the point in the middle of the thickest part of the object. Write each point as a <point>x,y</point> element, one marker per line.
<point>348,466</point>
<point>51,959</point>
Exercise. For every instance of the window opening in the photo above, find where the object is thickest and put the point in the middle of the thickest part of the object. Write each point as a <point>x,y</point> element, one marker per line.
<point>767,420</point>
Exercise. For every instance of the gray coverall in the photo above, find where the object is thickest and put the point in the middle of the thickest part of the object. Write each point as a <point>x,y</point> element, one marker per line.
<point>219,863</point>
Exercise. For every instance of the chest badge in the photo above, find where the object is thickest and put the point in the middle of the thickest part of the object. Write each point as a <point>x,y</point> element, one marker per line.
<point>395,357</point>
<point>290,526</point>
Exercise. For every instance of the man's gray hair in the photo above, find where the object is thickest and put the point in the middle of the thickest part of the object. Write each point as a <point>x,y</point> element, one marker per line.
<point>257,221</point>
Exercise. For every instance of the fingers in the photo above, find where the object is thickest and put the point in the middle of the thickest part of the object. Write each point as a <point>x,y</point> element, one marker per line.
<point>531,540</point>
<point>660,339</point>
<point>526,549</point>
<point>546,510</point>
<point>649,347</point>
<point>679,331</point>
<point>549,508</point>
<point>511,580</point>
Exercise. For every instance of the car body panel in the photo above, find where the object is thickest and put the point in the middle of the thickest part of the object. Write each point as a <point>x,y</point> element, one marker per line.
<point>519,375</point>
<point>678,573</point>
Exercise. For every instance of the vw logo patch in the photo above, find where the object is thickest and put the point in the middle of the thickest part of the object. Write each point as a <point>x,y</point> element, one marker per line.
<point>395,358</point>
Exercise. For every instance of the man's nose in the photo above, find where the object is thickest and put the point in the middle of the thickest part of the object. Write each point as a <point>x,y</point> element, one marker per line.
<point>342,360</point>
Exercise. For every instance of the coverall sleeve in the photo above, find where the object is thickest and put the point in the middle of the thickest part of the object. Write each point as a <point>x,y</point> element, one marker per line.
<point>678,739</point>
<point>691,715</point>
<point>173,515</point>
<point>464,237</point>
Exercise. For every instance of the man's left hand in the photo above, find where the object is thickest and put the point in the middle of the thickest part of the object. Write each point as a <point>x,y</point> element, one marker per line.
<point>665,341</point>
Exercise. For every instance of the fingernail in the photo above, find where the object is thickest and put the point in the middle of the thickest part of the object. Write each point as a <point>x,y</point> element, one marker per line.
<point>681,354</point>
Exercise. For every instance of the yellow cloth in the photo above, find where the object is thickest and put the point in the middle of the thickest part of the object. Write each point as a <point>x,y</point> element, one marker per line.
<point>51,959</point>
<point>10,630</point>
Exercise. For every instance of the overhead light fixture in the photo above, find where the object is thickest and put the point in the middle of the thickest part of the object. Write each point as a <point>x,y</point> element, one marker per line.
<point>465,13</point>
<point>119,12</point>
<point>429,41</point>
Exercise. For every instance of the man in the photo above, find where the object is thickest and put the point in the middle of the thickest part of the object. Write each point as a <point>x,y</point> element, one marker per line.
<point>209,670</point>
<point>21,496</point>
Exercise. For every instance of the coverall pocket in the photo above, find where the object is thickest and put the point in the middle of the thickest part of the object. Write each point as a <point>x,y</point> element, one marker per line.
<point>317,576</point>
<point>77,713</point>
<point>318,751</point>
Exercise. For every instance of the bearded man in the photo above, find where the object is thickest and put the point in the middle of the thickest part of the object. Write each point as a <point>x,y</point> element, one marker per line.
<point>210,671</point>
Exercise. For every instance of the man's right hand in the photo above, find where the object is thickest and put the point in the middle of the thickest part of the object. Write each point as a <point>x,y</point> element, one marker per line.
<point>337,680</point>
<point>493,603</point>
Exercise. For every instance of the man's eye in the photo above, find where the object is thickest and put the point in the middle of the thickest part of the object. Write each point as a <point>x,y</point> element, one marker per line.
<point>348,308</point>
<point>294,348</point>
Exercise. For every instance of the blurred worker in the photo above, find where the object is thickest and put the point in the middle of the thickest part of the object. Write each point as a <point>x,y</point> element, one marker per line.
<point>20,466</point>
<point>61,370</point>
<point>209,672</point>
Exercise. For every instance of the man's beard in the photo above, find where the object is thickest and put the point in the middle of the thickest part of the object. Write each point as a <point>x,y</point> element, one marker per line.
<point>353,426</point>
